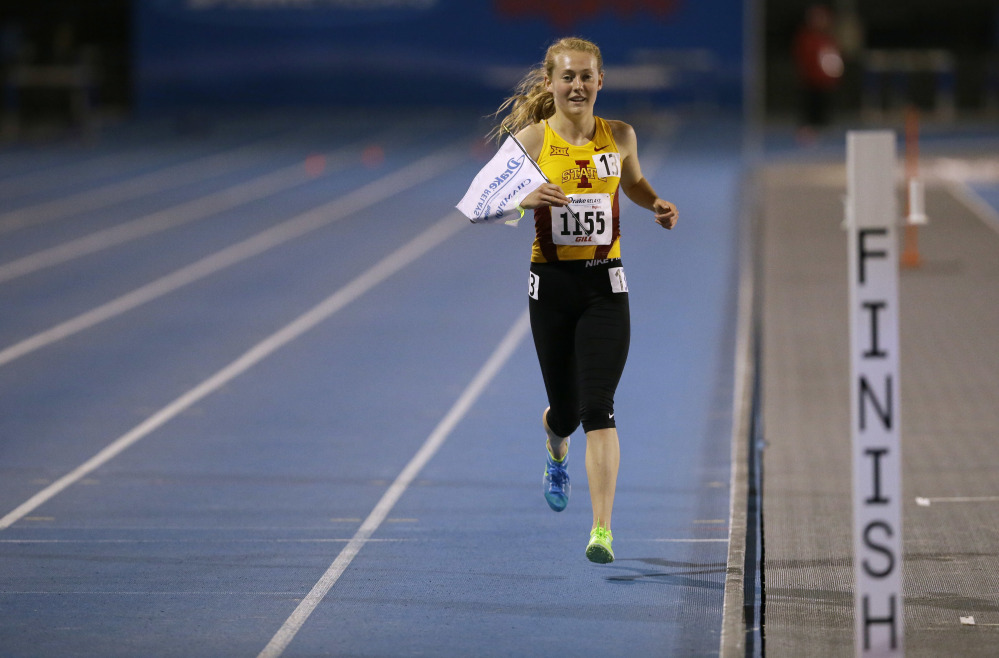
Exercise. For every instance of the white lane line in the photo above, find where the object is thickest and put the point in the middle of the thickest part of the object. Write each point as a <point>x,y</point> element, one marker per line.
<point>974,202</point>
<point>733,626</point>
<point>489,370</point>
<point>926,502</point>
<point>51,166</point>
<point>180,529</point>
<point>180,592</point>
<point>325,540</point>
<point>688,541</point>
<point>169,177</point>
<point>367,195</point>
<point>50,175</point>
<point>161,220</point>
<point>385,268</point>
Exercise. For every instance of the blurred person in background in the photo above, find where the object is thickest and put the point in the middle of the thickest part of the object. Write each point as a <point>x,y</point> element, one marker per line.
<point>818,63</point>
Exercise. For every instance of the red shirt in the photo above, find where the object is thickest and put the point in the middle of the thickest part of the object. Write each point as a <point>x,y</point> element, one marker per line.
<point>817,59</point>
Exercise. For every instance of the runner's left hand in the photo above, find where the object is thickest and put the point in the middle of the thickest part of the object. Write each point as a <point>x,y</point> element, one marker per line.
<point>666,214</point>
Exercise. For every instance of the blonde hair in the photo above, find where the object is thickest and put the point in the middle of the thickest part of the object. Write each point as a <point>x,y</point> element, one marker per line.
<point>531,102</point>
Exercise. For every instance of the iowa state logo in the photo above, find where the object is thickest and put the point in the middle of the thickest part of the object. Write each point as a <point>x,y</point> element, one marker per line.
<point>582,173</point>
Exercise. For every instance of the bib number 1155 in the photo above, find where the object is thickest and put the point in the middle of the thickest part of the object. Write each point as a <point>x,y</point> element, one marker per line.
<point>591,224</point>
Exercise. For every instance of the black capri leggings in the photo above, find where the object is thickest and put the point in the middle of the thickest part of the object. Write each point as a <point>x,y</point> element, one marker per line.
<point>582,330</point>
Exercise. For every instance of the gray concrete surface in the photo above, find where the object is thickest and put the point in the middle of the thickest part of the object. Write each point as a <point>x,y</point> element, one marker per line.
<point>949,319</point>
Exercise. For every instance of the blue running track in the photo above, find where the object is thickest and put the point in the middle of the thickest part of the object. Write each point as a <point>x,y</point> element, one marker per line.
<point>221,355</point>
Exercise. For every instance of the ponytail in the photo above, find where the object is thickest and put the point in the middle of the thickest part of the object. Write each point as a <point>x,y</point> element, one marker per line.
<point>529,104</point>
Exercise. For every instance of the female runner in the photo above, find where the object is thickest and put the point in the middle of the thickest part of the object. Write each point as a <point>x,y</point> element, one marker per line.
<point>578,291</point>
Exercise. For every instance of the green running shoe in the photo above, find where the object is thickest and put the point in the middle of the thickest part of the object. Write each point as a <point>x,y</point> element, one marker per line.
<point>599,549</point>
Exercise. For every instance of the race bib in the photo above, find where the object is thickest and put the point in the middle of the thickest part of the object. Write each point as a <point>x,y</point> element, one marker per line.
<point>619,283</point>
<point>592,224</point>
<point>534,286</point>
<point>607,164</point>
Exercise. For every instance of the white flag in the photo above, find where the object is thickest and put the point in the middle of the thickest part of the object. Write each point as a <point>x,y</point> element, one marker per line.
<point>507,178</point>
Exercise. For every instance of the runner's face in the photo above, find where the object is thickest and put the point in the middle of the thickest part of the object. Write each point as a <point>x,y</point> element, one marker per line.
<point>574,83</point>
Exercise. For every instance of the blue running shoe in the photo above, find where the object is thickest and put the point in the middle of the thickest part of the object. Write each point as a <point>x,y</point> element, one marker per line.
<point>556,482</point>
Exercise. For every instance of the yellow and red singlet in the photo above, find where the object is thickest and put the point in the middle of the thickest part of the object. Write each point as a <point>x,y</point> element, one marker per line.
<point>589,175</point>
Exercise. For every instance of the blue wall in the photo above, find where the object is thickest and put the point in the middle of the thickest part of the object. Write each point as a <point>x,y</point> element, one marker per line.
<point>422,52</point>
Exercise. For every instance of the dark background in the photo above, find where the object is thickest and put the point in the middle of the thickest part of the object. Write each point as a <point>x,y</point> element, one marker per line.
<point>101,32</point>
<point>104,32</point>
<point>969,29</point>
